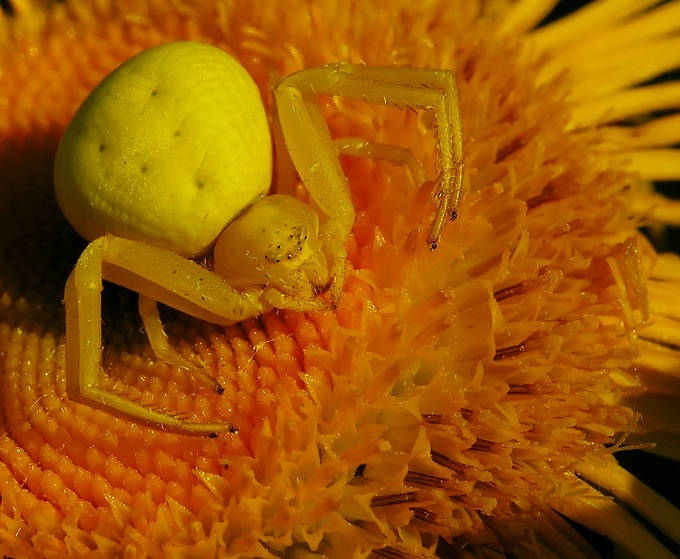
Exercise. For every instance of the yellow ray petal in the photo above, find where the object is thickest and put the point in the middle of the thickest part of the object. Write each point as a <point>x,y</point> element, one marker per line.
<point>595,17</point>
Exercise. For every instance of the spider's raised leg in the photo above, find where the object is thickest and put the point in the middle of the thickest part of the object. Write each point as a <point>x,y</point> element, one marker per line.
<point>158,275</point>
<point>311,148</point>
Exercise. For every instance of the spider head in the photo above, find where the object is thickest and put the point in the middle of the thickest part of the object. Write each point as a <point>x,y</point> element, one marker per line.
<point>275,242</point>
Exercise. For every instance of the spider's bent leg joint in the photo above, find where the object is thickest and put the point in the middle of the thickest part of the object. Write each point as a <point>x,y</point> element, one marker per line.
<point>144,269</point>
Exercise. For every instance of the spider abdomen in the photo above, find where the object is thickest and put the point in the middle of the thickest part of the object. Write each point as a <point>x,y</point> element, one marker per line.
<point>166,150</point>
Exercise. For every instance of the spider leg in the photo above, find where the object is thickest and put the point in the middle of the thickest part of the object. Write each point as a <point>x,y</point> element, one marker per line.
<point>280,300</point>
<point>160,344</point>
<point>398,155</point>
<point>286,179</point>
<point>158,275</point>
<point>311,148</point>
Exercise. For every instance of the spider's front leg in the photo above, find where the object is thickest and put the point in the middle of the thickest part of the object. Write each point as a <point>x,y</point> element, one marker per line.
<point>315,157</point>
<point>157,275</point>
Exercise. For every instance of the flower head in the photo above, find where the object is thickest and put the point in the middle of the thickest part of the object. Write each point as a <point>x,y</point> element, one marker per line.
<point>461,402</point>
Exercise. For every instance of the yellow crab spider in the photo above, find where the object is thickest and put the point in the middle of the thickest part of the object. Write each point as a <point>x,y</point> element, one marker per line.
<point>170,159</point>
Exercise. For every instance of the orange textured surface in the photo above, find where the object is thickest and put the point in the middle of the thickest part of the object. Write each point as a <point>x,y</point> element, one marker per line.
<point>452,393</point>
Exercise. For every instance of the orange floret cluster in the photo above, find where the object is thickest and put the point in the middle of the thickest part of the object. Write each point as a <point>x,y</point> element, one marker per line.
<point>455,402</point>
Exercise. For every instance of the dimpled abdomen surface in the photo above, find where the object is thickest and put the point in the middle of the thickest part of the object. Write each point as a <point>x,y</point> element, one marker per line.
<point>166,150</point>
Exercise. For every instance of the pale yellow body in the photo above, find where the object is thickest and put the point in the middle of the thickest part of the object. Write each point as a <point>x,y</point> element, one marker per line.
<point>138,163</point>
<point>170,157</point>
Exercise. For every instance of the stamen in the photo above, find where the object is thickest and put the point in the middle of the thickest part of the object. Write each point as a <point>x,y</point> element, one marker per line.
<point>509,352</point>
<point>425,480</point>
<point>394,499</point>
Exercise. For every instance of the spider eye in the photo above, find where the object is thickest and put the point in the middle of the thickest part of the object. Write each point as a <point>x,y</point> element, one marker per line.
<point>291,247</point>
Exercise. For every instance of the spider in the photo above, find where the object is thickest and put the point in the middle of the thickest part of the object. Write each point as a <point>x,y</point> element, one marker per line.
<point>169,159</point>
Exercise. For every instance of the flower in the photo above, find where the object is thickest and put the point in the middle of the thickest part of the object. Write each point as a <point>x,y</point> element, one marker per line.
<point>461,402</point>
